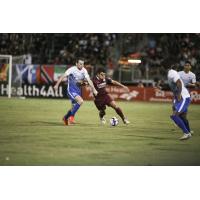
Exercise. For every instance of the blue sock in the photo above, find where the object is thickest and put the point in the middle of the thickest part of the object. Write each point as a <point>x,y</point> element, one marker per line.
<point>179,122</point>
<point>75,109</point>
<point>186,122</point>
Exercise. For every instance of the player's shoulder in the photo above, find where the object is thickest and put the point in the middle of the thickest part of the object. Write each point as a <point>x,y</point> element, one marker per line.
<point>172,72</point>
<point>84,69</point>
<point>72,68</point>
<point>181,72</point>
<point>95,79</point>
<point>192,74</point>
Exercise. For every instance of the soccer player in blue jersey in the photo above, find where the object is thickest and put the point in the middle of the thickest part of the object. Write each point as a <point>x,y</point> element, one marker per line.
<point>75,77</point>
<point>181,102</point>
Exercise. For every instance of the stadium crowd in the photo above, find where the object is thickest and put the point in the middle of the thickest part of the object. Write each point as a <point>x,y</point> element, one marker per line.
<point>59,48</point>
<point>157,51</point>
<point>164,49</point>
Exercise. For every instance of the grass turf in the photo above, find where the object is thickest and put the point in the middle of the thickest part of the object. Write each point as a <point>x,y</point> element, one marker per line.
<point>32,133</point>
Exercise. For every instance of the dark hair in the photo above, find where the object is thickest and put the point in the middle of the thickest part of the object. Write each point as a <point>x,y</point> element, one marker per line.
<point>99,70</point>
<point>175,66</point>
<point>188,62</point>
<point>79,58</point>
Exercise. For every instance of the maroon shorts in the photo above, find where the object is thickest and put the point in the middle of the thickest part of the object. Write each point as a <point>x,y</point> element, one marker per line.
<point>103,101</point>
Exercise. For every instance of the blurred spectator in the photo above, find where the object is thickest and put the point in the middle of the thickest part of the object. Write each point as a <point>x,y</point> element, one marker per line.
<point>163,49</point>
<point>156,51</point>
<point>57,61</point>
<point>27,59</point>
<point>110,67</point>
<point>140,84</point>
<point>160,84</point>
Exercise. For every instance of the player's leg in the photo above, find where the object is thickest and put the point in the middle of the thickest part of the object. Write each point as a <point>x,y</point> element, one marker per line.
<point>102,113</point>
<point>73,96</point>
<point>181,107</point>
<point>77,105</point>
<point>173,110</point>
<point>183,116</point>
<point>71,118</point>
<point>118,111</point>
<point>101,107</point>
<point>177,119</point>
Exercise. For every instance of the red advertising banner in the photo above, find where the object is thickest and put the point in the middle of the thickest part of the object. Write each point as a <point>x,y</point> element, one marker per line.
<point>141,94</point>
<point>118,93</point>
<point>154,94</point>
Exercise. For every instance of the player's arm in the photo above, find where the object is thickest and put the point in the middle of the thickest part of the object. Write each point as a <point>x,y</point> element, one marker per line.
<point>87,77</point>
<point>191,85</point>
<point>193,82</point>
<point>179,86</point>
<point>197,84</point>
<point>83,82</point>
<point>119,84</point>
<point>59,81</point>
<point>66,74</point>
<point>92,86</point>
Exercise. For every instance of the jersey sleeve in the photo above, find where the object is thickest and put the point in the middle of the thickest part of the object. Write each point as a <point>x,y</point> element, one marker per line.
<point>174,76</point>
<point>86,75</point>
<point>94,82</point>
<point>108,80</point>
<point>68,71</point>
<point>194,78</point>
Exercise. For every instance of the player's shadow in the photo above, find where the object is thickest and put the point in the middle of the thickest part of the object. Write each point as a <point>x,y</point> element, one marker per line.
<point>149,137</point>
<point>45,123</point>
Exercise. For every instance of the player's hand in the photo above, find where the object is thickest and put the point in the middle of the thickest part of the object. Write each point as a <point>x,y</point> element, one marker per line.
<point>55,87</point>
<point>127,89</point>
<point>95,93</point>
<point>85,83</point>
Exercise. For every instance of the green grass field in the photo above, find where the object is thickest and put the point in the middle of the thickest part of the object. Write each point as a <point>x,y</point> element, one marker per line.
<point>32,133</point>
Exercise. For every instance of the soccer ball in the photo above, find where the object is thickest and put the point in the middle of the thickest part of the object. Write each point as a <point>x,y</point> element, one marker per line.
<point>114,121</point>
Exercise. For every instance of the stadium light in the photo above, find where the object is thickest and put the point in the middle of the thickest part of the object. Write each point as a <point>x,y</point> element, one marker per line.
<point>134,61</point>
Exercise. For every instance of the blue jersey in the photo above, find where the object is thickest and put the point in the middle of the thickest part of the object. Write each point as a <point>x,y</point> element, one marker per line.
<point>75,76</point>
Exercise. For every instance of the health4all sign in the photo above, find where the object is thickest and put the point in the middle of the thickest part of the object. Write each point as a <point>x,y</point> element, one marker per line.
<point>34,91</point>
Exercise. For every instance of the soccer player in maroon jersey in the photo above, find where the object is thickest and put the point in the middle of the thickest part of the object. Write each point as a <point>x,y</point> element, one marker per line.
<point>103,99</point>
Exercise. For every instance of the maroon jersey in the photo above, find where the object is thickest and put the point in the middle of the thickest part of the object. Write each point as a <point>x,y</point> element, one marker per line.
<point>100,85</point>
<point>102,99</point>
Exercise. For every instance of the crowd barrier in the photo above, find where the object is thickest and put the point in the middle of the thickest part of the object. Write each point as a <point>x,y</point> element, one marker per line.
<point>148,94</point>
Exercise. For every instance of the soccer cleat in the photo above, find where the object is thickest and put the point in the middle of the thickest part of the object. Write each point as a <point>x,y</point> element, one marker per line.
<point>126,121</point>
<point>186,136</point>
<point>66,122</point>
<point>192,132</point>
<point>103,120</point>
<point>71,120</point>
